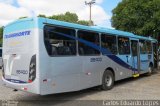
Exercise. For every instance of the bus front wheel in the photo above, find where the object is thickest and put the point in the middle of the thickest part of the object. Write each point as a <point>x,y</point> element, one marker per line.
<point>107,80</point>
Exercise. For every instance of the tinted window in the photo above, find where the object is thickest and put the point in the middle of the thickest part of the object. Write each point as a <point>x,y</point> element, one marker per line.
<point>85,48</point>
<point>123,45</point>
<point>134,48</point>
<point>149,47</point>
<point>0,52</point>
<point>109,42</point>
<point>142,47</point>
<point>57,41</point>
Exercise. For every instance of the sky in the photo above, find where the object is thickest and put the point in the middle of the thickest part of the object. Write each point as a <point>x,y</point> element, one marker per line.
<point>11,10</point>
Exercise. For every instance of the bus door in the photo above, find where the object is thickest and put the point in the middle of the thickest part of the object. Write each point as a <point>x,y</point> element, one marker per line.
<point>144,58</point>
<point>135,56</point>
<point>155,54</point>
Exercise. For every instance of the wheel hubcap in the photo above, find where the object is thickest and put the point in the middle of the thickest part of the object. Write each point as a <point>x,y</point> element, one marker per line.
<point>108,80</point>
<point>150,69</point>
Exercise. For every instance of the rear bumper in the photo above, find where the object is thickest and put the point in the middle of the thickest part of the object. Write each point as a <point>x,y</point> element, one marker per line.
<point>28,87</point>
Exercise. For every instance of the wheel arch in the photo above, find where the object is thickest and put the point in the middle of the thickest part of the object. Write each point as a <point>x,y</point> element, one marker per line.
<point>151,64</point>
<point>111,69</point>
<point>103,85</point>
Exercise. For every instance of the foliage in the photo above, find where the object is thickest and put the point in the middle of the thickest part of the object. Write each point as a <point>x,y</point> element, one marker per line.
<point>138,16</point>
<point>83,22</point>
<point>1,34</point>
<point>41,15</point>
<point>68,17</point>
<point>22,17</point>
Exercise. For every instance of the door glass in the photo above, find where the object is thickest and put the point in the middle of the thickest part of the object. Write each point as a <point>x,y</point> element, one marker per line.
<point>134,48</point>
<point>135,55</point>
<point>123,46</point>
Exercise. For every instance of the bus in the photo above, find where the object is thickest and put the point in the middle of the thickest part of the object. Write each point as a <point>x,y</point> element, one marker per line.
<point>0,57</point>
<point>45,56</point>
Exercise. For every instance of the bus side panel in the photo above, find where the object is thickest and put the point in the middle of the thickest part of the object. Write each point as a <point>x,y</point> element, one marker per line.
<point>120,71</point>
<point>57,74</point>
<point>73,73</point>
<point>92,72</point>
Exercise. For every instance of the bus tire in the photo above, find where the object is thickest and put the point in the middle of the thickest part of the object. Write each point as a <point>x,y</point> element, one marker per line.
<point>107,80</point>
<point>150,70</point>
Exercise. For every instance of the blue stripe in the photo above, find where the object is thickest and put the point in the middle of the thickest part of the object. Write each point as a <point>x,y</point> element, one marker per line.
<point>23,24</point>
<point>121,62</point>
<point>16,81</point>
<point>104,51</point>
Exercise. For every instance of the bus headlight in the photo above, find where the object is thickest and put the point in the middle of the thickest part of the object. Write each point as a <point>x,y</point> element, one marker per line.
<point>32,69</point>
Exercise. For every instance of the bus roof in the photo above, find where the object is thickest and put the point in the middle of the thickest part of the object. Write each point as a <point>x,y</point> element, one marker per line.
<point>41,22</point>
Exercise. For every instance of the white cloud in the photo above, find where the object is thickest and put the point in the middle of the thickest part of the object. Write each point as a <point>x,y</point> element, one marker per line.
<point>98,14</point>
<point>7,1</point>
<point>9,13</point>
<point>51,7</point>
<point>106,24</point>
<point>4,22</point>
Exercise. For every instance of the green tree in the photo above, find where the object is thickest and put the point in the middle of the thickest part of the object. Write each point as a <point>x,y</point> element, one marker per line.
<point>138,16</point>
<point>22,17</point>
<point>67,17</point>
<point>41,15</point>
<point>1,35</point>
<point>83,22</point>
<point>1,32</point>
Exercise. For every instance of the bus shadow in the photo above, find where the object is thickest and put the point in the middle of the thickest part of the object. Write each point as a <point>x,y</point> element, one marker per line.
<point>74,96</point>
<point>67,96</point>
<point>131,79</point>
<point>62,99</point>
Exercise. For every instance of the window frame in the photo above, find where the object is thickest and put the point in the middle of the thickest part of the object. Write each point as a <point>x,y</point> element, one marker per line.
<point>59,26</point>
<point>113,35</point>
<point>129,45</point>
<point>145,52</point>
<point>90,31</point>
<point>148,52</point>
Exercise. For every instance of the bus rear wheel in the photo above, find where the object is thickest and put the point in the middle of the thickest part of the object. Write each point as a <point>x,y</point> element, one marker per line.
<point>150,70</point>
<point>107,80</point>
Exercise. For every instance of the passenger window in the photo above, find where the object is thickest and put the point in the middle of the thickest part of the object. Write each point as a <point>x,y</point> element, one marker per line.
<point>109,42</point>
<point>123,45</point>
<point>86,48</point>
<point>143,47</point>
<point>149,47</point>
<point>59,41</point>
<point>0,52</point>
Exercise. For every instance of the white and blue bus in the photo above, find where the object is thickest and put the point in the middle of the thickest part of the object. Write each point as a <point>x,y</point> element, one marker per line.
<point>45,56</point>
